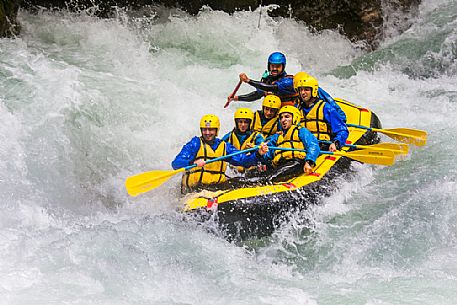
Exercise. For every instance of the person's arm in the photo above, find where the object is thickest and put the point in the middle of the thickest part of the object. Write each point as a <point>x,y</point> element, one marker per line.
<point>338,126</point>
<point>187,154</point>
<point>285,86</point>
<point>259,139</point>
<point>250,97</point>
<point>263,86</point>
<point>241,159</point>
<point>311,145</point>
<point>272,141</point>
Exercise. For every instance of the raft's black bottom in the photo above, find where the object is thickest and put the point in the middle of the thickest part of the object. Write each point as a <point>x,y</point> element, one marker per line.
<point>261,216</point>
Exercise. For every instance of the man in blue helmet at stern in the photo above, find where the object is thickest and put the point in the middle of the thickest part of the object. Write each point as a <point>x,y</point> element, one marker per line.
<point>274,81</point>
<point>277,82</point>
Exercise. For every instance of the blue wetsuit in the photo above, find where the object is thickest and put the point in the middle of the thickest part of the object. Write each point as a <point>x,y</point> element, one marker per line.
<point>281,86</point>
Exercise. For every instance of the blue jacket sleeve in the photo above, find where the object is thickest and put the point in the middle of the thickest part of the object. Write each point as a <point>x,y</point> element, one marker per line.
<point>252,96</point>
<point>339,128</point>
<point>311,144</point>
<point>285,86</point>
<point>272,140</point>
<point>241,159</point>
<point>187,154</point>
<point>259,139</point>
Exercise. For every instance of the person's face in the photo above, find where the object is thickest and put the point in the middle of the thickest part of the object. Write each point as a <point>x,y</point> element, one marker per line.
<point>305,93</point>
<point>269,113</point>
<point>286,120</point>
<point>209,134</point>
<point>243,124</point>
<point>275,69</point>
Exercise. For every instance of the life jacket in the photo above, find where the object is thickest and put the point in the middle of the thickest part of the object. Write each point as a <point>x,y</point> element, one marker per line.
<point>210,173</point>
<point>233,139</point>
<point>315,123</point>
<point>286,99</point>
<point>270,127</point>
<point>289,140</point>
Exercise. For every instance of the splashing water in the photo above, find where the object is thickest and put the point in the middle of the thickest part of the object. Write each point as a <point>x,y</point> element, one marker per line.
<point>86,102</point>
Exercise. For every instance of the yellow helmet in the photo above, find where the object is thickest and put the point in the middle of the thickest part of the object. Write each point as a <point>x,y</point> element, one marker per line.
<point>244,113</point>
<point>303,79</point>
<point>210,121</point>
<point>271,101</point>
<point>296,114</point>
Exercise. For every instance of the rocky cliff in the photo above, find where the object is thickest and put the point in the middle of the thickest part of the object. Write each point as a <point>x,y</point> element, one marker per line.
<point>8,14</point>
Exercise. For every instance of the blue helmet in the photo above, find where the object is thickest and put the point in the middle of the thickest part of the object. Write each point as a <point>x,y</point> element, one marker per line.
<point>276,58</point>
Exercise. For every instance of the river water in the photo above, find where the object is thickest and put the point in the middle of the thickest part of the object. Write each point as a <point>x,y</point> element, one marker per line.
<point>85,103</point>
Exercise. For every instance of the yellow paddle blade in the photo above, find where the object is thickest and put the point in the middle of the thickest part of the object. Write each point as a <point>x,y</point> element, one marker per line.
<point>147,181</point>
<point>397,149</point>
<point>405,135</point>
<point>379,157</point>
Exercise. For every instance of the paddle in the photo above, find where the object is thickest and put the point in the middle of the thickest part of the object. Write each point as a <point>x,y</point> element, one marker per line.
<point>397,149</point>
<point>365,156</point>
<point>147,181</point>
<point>229,99</point>
<point>405,135</point>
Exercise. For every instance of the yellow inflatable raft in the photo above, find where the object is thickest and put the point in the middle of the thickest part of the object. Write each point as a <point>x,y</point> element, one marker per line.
<point>256,211</point>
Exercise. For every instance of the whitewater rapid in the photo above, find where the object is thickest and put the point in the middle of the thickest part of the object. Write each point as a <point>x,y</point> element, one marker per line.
<point>87,102</point>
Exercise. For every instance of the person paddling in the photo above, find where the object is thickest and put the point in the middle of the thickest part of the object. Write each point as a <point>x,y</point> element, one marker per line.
<point>290,163</point>
<point>201,149</point>
<point>242,136</point>
<point>275,81</point>
<point>319,116</point>
<point>266,120</point>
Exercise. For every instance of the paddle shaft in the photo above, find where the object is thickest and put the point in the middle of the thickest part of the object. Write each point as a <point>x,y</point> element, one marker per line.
<point>405,135</point>
<point>346,145</point>
<point>372,157</point>
<point>147,181</point>
<point>233,94</point>
<point>378,146</point>
<point>225,157</point>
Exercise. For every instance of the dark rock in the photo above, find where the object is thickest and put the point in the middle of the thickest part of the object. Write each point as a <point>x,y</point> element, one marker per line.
<point>360,20</point>
<point>8,13</point>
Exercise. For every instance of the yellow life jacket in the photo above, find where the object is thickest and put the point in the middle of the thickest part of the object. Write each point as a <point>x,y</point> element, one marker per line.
<point>270,127</point>
<point>210,173</point>
<point>233,139</point>
<point>314,122</point>
<point>289,140</point>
